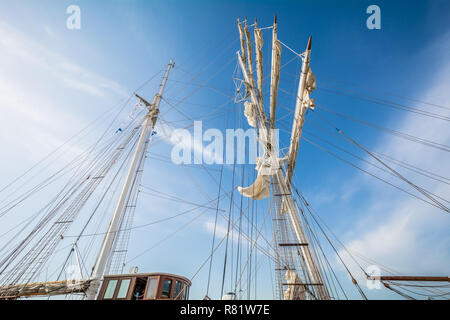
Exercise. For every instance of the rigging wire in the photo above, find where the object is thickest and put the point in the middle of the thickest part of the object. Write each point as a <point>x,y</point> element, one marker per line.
<point>333,247</point>
<point>399,134</point>
<point>228,228</point>
<point>421,190</point>
<point>388,93</point>
<point>372,164</point>
<point>54,233</point>
<point>313,236</point>
<point>203,206</point>
<point>252,245</point>
<point>121,106</point>
<point>318,219</point>
<point>377,177</point>
<point>400,163</point>
<point>18,200</point>
<point>389,104</point>
<point>173,198</point>
<point>31,263</point>
<point>369,173</point>
<point>396,133</point>
<point>442,207</point>
<point>214,232</point>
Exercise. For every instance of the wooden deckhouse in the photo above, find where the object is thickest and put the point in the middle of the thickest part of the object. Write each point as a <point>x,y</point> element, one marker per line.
<point>144,286</point>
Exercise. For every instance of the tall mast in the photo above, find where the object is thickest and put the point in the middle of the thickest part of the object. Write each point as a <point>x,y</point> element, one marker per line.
<point>279,177</point>
<point>284,183</point>
<point>299,116</point>
<point>105,250</point>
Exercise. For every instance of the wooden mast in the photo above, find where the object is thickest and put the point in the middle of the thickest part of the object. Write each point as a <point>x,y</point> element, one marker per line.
<point>410,278</point>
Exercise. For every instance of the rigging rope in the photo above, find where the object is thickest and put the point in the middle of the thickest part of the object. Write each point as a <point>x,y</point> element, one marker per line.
<point>396,133</point>
<point>392,105</point>
<point>214,233</point>
<point>333,247</point>
<point>421,190</point>
<point>388,93</point>
<point>372,164</point>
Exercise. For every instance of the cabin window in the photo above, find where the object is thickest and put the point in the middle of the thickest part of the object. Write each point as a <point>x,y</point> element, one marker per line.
<point>151,289</point>
<point>123,289</point>
<point>183,297</point>
<point>139,288</point>
<point>177,290</point>
<point>109,293</point>
<point>165,294</point>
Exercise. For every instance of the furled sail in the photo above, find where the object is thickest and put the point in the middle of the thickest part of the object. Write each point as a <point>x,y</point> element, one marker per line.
<point>241,36</point>
<point>259,190</point>
<point>307,84</point>
<point>259,62</point>
<point>15,291</point>
<point>310,86</point>
<point>245,40</point>
<point>307,102</point>
<point>294,291</point>
<point>250,113</point>
<point>254,112</point>
<point>275,75</point>
<point>249,54</point>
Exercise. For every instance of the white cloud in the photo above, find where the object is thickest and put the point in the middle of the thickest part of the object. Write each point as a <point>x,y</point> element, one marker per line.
<point>52,63</point>
<point>32,82</point>
<point>221,231</point>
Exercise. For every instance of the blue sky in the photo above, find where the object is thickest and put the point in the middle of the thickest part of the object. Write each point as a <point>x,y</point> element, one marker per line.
<point>54,81</point>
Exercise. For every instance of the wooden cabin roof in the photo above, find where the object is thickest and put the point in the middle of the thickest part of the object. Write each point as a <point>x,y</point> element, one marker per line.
<point>136,275</point>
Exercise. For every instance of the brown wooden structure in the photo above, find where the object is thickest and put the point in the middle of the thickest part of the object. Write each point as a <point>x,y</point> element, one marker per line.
<point>144,286</point>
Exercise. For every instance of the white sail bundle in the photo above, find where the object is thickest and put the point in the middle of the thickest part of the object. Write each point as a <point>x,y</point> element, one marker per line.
<point>306,102</point>
<point>54,288</point>
<point>254,109</point>
<point>259,190</point>
<point>307,84</point>
<point>259,62</point>
<point>241,36</point>
<point>275,75</point>
<point>266,166</point>
<point>310,86</point>
<point>249,54</point>
<point>250,113</point>
<point>295,290</point>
